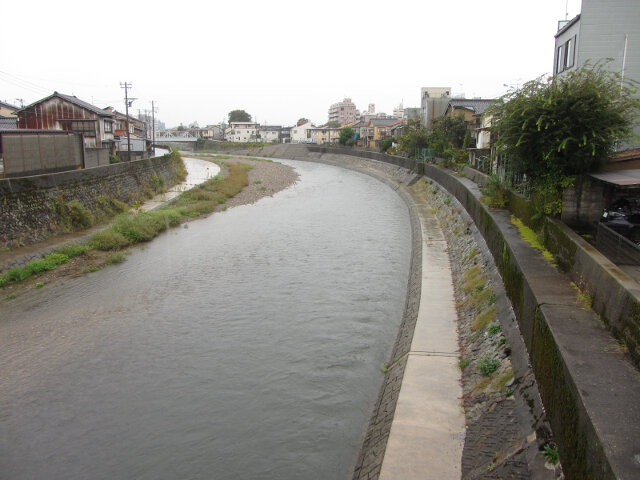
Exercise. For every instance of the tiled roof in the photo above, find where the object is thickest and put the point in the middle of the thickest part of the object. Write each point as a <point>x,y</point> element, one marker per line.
<point>476,105</point>
<point>384,122</point>
<point>74,100</point>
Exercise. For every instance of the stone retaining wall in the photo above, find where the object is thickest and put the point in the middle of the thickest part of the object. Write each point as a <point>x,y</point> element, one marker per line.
<point>28,204</point>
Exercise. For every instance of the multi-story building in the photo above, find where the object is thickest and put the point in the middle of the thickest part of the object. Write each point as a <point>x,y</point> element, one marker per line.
<point>344,112</point>
<point>398,112</point>
<point>433,104</point>
<point>242,132</point>
<point>602,31</point>
<point>269,133</point>
<point>321,135</point>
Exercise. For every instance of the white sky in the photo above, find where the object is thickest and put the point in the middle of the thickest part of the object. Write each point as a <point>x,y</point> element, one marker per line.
<point>279,60</point>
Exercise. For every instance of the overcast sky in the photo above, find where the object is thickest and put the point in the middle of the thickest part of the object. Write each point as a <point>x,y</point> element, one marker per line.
<point>279,60</point>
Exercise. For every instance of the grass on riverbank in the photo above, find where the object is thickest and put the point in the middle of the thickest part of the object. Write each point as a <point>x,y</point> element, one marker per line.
<point>130,229</point>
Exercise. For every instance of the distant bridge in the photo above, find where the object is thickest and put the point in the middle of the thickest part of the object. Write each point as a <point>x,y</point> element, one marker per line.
<point>167,137</point>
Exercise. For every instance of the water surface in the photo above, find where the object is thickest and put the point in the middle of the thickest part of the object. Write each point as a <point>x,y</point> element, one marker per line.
<point>246,345</point>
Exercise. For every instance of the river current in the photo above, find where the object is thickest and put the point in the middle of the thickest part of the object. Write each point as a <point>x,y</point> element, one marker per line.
<point>247,345</point>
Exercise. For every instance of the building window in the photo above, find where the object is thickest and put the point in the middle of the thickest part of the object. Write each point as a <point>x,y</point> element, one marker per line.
<point>569,52</point>
<point>566,55</point>
<point>560,60</point>
<point>108,127</point>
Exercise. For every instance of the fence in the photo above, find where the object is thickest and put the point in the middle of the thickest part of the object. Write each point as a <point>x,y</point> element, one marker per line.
<point>617,248</point>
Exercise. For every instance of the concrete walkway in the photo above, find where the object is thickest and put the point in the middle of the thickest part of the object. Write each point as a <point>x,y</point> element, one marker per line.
<point>428,429</point>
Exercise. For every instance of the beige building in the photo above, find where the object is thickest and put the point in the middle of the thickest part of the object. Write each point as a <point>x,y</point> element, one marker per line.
<point>320,135</point>
<point>433,102</point>
<point>7,110</point>
<point>344,112</point>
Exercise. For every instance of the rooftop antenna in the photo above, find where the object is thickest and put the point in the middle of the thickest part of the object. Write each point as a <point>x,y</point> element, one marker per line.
<point>566,10</point>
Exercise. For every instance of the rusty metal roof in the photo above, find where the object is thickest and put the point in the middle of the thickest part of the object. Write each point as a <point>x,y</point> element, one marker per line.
<point>624,178</point>
<point>72,99</point>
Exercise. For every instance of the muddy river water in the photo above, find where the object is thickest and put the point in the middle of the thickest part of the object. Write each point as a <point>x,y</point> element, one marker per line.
<point>247,345</point>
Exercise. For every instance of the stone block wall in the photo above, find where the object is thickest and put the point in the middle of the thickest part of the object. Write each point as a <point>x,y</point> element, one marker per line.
<point>28,204</point>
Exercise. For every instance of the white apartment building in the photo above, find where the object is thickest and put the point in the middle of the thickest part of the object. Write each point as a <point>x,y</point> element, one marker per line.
<point>242,132</point>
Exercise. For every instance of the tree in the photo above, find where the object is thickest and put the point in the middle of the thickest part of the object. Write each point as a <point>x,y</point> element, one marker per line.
<point>333,124</point>
<point>415,137</point>
<point>239,116</point>
<point>453,129</point>
<point>552,129</point>
<point>302,121</point>
<point>385,144</point>
<point>346,136</point>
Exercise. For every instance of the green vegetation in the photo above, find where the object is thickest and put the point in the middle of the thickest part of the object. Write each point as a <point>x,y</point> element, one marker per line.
<point>73,214</point>
<point>553,129</point>
<point>529,236</point>
<point>239,116</point>
<point>385,144</point>
<point>551,454</point>
<point>49,262</point>
<point>484,319</point>
<point>463,363</point>
<point>487,365</point>
<point>494,329</point>
<point>346,137</point>
<point>496,192</point>
<point>128,229</point>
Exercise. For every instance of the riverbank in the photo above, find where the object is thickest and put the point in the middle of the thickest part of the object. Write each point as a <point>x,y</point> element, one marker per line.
<point>265,178</point>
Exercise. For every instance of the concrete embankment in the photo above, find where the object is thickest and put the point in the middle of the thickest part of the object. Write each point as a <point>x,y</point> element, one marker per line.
<point>588,383</point>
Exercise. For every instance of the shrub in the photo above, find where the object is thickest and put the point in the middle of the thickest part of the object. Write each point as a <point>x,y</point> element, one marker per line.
<point>496,192</point>
<point>487,365</point>
<point>108,240</point>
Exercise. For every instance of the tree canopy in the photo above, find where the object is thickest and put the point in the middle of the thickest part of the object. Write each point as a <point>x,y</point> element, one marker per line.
<point>566,126</point>
<point>415,137</point>
<point>239,116</point>
<point>346,136</point>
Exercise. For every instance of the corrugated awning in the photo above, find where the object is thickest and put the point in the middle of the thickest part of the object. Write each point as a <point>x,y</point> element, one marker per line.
<point>623,178</point>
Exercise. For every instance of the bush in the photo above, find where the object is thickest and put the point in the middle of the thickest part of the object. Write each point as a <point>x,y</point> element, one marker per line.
<point>496,192</point>
<point>108,239</point>
<point>553,129</point>
<point>73,214</point>
<point>114,159</point>
<point>385,144</point>
<point>487,366</point>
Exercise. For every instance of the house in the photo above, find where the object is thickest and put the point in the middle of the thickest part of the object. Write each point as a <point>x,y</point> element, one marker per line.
<point>602,30</point>
<point>137,132</point>
<point>299,133</point>
<point>285,134</point>
<point>70,114</point>
<point>470,108</point>
<point>322,135</point>
<point>269,133</point>
<point>211,132</point>
<point>7,110</point>
<point>242,132</point>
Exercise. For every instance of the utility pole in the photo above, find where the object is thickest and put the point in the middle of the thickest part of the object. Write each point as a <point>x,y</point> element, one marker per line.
<point>153,126</point>
<point>127,104</point>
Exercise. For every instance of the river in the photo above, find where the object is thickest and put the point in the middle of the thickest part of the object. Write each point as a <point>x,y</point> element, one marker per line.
<point>244,345</point>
